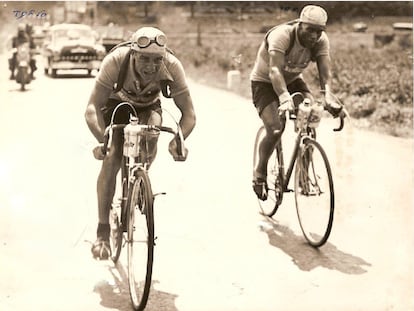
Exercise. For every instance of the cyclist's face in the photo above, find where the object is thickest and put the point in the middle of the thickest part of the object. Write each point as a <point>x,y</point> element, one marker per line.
<point>147,65</point>
<point>309,34</point>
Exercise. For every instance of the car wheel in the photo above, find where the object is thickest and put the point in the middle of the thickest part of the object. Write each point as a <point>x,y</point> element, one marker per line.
<point>54,73</point>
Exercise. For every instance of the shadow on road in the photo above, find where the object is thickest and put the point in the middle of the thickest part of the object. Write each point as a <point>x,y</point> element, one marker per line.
<point>307,257</point>
<point>116,295</point>
<point>17,89</point>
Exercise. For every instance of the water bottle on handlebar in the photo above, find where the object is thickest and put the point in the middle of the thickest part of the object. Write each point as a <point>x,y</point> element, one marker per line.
<point>316,114</point>
<point>304,110</point>
<point>131,138</point>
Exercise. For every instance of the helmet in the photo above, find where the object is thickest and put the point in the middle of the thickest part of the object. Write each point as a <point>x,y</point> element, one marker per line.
<point>314,15</point>
<point>149,40</point>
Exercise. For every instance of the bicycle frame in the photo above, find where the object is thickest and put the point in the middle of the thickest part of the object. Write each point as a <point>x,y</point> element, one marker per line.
<point>303,134</point>
<point>285,177</point>
<point>130,164</point>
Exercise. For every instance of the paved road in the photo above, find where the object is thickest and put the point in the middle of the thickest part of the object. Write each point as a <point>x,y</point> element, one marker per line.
<point>214,251</point>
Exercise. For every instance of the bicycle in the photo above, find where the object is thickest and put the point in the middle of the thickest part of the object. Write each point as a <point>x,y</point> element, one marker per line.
<point>313,182</point>
<point>132,214</point>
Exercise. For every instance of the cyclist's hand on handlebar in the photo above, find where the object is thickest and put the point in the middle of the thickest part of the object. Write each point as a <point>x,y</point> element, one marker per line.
<point>173,149</point>
<point>287,106</point>
<point>98,152</point>
<point>332,105</point>
<point>334,108</point>
<point>286,103</point>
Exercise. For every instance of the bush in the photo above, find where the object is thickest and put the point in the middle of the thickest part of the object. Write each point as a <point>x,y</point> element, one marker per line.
<point>375,84</point>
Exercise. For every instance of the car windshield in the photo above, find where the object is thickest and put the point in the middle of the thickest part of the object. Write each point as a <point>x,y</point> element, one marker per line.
<point>73,34</point>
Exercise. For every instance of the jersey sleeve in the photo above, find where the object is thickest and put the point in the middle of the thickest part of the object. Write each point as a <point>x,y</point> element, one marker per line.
<point>279,39</point>
<point>179,83</point>
<point>109,70</point>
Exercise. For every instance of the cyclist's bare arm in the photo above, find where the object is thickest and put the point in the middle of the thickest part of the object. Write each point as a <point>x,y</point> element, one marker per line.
<point>276,64</point>
<point>324,69</point>
<point>93,114</point>
<point>188,119</point>
<point>187,122</point>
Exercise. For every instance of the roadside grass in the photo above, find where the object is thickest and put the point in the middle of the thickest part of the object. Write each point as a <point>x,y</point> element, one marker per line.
<point>374,81</point>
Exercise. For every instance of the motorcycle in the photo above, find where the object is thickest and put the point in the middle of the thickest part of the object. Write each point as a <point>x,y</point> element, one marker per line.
<point>23,57</point>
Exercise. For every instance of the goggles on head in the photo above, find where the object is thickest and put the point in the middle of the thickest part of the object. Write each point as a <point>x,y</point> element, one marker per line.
<point>145,41</point>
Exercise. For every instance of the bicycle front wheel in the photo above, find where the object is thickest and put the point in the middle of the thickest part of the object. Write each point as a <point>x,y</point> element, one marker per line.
<point>140,240</point>
<point>314,193</point>
<point>269,206</point>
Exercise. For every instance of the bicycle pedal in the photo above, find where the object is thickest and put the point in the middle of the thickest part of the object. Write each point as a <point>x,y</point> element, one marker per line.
<point>159,193</point>
<point>288,190</point>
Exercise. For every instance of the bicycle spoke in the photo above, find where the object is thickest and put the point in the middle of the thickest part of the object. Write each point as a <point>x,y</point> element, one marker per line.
<point>140,241</point>
<point>269,206</point>
<point>314,194</point>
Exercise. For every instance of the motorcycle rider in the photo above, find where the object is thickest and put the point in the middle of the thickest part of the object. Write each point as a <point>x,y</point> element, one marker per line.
<point>21,38</point>
<point>33,67</point>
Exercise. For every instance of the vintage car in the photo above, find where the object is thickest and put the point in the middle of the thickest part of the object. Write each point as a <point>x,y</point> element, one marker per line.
<point>110,35</point>
<point>71,46</point>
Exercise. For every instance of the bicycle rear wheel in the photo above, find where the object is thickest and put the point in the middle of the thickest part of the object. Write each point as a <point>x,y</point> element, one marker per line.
<point>140,239</point>
<point>116,232</point>
<point>275,191</point>
<point>314,193</point>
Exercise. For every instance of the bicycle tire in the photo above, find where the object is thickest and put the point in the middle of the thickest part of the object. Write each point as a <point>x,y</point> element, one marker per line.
<point>140,220</point>
<point>269,206</point>
<point>116,234</point>
<point>117,221</point>
<point>314,193</point>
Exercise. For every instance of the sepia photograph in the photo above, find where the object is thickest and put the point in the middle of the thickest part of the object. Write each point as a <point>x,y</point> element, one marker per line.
<point>206,156</point>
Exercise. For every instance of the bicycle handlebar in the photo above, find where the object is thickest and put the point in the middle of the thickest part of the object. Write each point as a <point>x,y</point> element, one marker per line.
<point>342,112</point>
<point>177,133</point>
<point>146,127</point>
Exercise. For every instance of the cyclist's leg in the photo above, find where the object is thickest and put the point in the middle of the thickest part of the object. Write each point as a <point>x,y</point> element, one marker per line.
<point>151,115</point>
<point>12,66</point>
<point>274,129</point>
<point>266,102</point>
<point>106,190</point>
<point>107,181</point>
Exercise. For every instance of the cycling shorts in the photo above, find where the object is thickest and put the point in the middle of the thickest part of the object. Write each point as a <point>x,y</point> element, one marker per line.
<point>263,93</point>
<point>122,114</point>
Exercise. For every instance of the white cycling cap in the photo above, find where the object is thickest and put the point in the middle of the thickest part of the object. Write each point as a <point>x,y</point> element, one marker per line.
<point>315,15</point>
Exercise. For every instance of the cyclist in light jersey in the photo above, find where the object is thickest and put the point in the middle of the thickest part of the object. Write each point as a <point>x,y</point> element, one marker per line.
<point>149,68</point>
<point>286,51</point>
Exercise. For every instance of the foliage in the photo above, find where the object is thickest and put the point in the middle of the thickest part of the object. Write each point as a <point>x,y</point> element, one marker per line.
<point>375,84</point>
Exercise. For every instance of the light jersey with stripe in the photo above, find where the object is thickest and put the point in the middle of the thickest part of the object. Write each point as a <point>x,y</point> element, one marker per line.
<point>132,90</point>
<point>297,59</point>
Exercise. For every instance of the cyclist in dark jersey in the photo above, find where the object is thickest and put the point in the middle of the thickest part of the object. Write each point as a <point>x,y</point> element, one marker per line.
<point>286,51</point>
